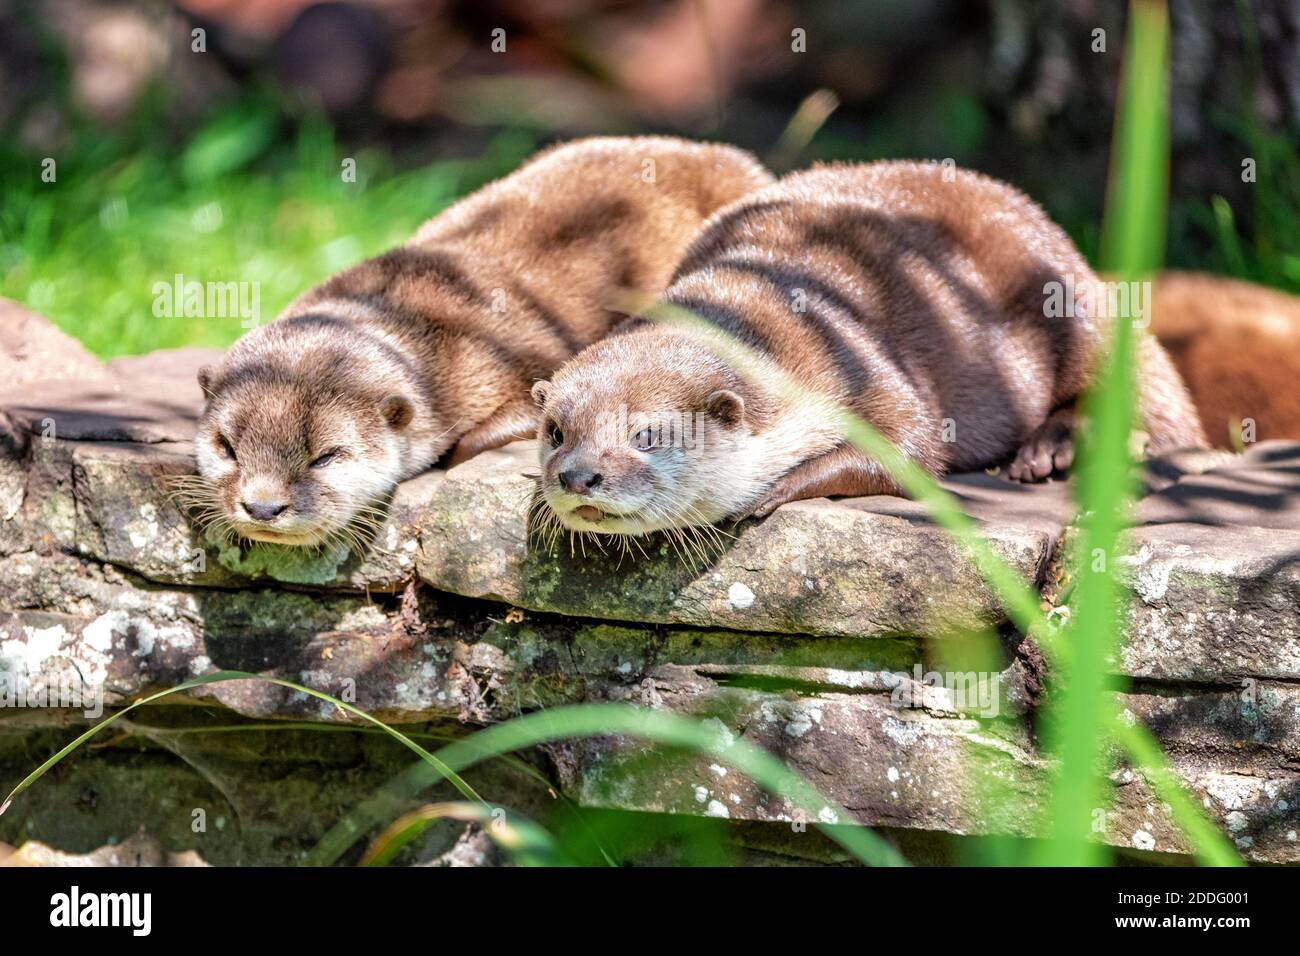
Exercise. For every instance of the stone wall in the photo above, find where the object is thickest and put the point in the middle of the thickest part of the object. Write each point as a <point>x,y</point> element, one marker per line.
<point>792,638</point>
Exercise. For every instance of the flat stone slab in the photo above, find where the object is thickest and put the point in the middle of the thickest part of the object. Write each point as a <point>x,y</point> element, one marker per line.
<point>866,567</point>
<point>32,349</point>
<point>893,768</point>
<point>831,707</point>
<point>147,399</point>
<point>1212,558</point>
<point>97,487</point>
<point>1216,573</point>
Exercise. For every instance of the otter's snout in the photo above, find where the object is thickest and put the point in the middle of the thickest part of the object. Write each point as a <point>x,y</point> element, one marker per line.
<point>264,510</point>
<point>264,497</point>
<point>579,481</point>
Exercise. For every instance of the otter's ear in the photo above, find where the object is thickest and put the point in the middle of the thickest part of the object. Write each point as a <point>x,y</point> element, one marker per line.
<point>726,406</point>
<point>540,391</point>
<point>397,411</point>
<point>205,381</point>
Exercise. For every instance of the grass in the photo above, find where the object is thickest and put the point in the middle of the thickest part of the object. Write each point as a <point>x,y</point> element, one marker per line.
<point>1132,246</point>
<point>522,732</point>
<point>1271,254</point>
<point>218,677</point>
<point>664,729</point>
<point>234,204</point>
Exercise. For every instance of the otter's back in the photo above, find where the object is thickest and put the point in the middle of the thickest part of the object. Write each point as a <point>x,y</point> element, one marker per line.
<point>904,276</point>
<point>529,265</point>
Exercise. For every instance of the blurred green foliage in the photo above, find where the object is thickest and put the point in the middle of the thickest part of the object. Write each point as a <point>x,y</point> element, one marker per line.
<point>1269,252</point>
<point>242,201</point>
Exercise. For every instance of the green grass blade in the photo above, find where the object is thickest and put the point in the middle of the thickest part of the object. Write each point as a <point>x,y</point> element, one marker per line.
<point>1208,843</point>
<point>1132,250</point>
<point>585,720</point>
<point>810,117</point>
<point>1137,192</point>
<point>218,677</point>
<point>526,842</point>
<point>1132,240</point>
<point>514,763</point>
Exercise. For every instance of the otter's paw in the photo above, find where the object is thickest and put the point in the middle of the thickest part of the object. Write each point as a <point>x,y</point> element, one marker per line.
<point>765,506</point>
<point>759,509</point>
<point>783,492</point>
<point>1050,448</point>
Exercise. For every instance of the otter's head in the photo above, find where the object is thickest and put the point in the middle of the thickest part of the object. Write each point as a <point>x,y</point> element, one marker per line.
<point>295,452</point>
<point>638,434</point>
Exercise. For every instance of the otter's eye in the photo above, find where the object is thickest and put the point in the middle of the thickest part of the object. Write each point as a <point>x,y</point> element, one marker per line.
<point>554,435</point>
<point>646,439</point>
<point>224,446</point>
<point>329,456</point>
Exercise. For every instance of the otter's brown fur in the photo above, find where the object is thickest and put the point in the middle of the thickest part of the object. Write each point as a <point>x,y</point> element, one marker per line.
<point>918,301</point>
<point>1237,346</point>
<point>433,346</point>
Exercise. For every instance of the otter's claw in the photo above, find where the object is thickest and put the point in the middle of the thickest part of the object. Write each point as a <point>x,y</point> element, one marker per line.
<point>1050,448</point>
<point>764,507</point>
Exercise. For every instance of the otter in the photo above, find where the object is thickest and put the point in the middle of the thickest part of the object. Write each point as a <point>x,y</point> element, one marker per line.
<point>1237,346</point>
<point>913,295</point>
<point>378,372</point>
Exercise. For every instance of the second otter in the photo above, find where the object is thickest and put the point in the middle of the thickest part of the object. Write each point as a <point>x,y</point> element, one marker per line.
<point>1237,346</point>
<point>914,299</point>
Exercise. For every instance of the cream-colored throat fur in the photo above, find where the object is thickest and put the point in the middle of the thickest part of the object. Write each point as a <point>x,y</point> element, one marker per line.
<point>733,477</point>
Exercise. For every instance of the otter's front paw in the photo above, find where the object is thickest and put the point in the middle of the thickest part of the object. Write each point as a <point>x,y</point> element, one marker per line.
<point>760,510</point>
<point>1050,448</point>
<point>773,498</point>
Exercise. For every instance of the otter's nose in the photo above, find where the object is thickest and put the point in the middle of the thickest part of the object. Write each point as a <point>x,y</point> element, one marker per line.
<point>264,510</point>
<point>579,482</point>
